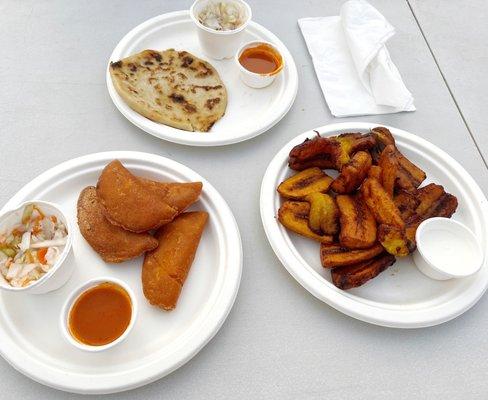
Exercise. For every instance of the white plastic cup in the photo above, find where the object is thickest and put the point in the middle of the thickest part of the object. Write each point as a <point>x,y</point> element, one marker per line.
<point>219,44</point>
<point>64,317</point>
<point>253,79</point>
<point>64,266</point>
<point>447,249</point>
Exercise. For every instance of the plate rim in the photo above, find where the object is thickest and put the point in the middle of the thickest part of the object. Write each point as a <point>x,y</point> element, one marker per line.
<point>179,136</point>
<point>335,297</point>
<point>66,381</point>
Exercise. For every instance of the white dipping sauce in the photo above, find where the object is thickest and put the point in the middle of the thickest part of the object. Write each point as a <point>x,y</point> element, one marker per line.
<point>451,252</point>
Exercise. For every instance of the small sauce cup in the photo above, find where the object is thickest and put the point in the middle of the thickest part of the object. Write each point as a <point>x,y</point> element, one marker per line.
<point>259,64</point>
<point>447,249</point>
<point>220,44</point>
<point>70,304</point>
<point>64,266</point>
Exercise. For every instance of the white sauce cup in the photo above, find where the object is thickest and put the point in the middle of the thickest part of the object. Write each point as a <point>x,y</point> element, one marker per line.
<point>219,44</point>
<point>65,311</point>
<point>447,249</point>
<point>64,266</point>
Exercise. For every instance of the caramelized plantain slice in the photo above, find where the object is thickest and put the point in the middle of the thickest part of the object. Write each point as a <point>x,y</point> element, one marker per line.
<point>388,163</point>
<point>409,176</point>
<point>429,207</point>
<point>358,226</point>
<point>352,276</point>
<point>406,203</point>
<point>351,143</point>
<point>353,173</point>
<point>428,196</point>
<point>324,214</point>
<point>394,240</point>
<point>305,182</point>
<point>318,152</point>
<point>328,152</point>
<point>374,172</point>
<point>381,204</point>
<point>294,216</point>
<point>335,255</point>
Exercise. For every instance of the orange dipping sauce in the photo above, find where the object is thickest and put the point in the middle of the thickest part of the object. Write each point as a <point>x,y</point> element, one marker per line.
<point>100,315</point>
<point>262,59</point>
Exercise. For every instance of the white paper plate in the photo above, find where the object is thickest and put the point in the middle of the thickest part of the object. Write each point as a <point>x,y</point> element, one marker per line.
<point>30,339</point>
<point>249,113</point>
<point>401,296</point>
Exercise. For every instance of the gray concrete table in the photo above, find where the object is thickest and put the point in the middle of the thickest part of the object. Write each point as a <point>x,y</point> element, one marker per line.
<point>279,342</point>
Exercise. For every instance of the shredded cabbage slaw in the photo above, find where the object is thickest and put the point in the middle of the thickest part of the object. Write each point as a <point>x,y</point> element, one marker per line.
<point>30,248</point>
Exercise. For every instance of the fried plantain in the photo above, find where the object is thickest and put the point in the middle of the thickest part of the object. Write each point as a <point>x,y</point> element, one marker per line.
<point>388,163</point>
<point>358,226</point>
<point>406,203</point>
<point>294,216</point>
<point>318,152</point>
<point>113,243</point>
<point>353,173</point>
<point>324,214</point>
<point>409,176</point>
<point>335,255</point>
<point>374,172</point>
<point>352,276</point>
<point>431,205</point>
<point>305,182</point>
<point>381,204</point>
<point>328,153</point>
<point>394,240</point>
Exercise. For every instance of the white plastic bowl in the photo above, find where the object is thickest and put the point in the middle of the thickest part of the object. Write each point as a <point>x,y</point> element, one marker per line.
<point>62,270</point>
<point>219,44</point>
<point>63,322</point>
<point>447,249</point>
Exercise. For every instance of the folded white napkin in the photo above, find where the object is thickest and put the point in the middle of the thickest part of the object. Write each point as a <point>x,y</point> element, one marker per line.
<point>353,66</point>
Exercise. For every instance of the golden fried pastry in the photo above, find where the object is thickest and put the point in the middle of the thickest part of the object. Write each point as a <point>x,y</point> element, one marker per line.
<point>128,203</point>
<point>177,195</point>
<point>352,276</point>
<point>113,243</point>
<point>165,269</point>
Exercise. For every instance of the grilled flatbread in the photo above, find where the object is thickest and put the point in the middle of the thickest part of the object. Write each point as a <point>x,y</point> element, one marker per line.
<point>172,87</point>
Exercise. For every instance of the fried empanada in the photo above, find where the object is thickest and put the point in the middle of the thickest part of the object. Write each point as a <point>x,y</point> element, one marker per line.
<point>177,195</point>
<point>113,243</point>
<point>165,269</point>
<point>128,203</point>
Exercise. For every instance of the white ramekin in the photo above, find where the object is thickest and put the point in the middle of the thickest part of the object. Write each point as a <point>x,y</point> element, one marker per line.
<point>62,270</point>
<point>65,311</point>
<point>441,241</point>
<point>253,79</point>
<point>219,44</point>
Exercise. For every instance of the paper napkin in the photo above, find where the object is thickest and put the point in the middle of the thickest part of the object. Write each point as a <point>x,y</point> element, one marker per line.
<point>352,63</point>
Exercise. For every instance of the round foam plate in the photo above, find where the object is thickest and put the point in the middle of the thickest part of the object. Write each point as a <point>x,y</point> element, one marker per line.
<point>400,297</point>
<point>160,342</point>
<point>249,112</point>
